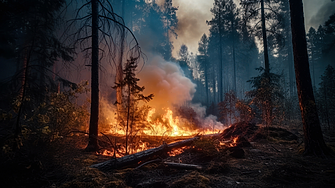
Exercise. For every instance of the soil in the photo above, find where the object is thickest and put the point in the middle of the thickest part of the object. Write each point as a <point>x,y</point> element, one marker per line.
<point>268,157</point>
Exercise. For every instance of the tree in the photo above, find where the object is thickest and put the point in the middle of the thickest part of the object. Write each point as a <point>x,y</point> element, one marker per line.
<point>170,22</point>
<point>217,29</point>
<point>184,61</point>
<point>313,138</point>
<point>285,37</point>
<point>102,27</point>
<point>252,7</point>
<point>30,27</point>
<point>157,22</point>
<point>266,87</point>
<point>272,14</point>
<point>227,107</point>
<point>130,117</point>
<point>203,60</point>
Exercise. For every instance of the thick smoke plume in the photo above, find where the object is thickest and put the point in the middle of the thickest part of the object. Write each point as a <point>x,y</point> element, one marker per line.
<point>167,82</point>
<point>173,90</point>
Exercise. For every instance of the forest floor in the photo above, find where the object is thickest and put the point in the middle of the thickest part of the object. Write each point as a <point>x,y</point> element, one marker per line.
<point>272,162</point>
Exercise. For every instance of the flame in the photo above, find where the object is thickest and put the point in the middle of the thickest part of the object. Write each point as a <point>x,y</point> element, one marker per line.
<point>177,151</point>
<point>165,124</point>
<point>157,123</point>
<point>235,140</point>
<point>140,146</point>
<point>171,125</point>
<point>229,143</point>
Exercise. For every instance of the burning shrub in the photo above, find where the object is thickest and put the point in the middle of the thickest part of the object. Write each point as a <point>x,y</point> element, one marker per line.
<point>130,115</point>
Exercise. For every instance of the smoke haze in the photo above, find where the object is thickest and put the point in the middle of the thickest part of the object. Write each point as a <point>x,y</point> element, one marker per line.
<point>322,15</point>
<point>192,16</point>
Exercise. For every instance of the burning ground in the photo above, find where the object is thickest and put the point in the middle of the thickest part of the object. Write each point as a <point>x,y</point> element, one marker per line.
<point>244,155</point>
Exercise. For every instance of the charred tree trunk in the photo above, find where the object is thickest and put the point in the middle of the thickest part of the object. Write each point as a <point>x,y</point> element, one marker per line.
<point>94,118</point>
<point>313,138</point>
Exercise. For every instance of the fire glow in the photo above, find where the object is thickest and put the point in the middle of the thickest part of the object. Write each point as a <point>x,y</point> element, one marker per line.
<point>167,124</point>
<point>171,112</point>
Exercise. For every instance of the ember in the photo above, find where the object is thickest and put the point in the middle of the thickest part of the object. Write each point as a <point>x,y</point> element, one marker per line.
<point>177,151</point>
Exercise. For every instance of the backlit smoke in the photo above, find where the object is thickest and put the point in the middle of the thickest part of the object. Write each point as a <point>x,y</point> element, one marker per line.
<point>167,82</point>
<point>173,90</point>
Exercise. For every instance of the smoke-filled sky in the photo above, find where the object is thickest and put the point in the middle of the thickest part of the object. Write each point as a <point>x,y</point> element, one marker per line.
<point>192,15</point>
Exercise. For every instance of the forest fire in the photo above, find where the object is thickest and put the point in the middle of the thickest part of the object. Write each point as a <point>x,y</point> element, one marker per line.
<point>168,124</point>
<point>169,113</point>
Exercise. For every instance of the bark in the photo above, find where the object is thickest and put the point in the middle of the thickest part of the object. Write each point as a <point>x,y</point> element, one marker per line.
<point>145,155</point>
<point>94,118</point>
<point>313,138</point>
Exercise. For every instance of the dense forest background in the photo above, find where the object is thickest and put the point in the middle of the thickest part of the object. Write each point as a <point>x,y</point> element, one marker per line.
<point>69,66</point>
<point>234,44</point>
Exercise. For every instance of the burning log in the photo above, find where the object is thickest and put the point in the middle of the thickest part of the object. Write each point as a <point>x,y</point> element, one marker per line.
<point>145,155</point>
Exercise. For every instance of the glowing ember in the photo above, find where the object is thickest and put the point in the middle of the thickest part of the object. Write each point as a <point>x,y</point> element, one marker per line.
<point>235,139</point>
<point>134,148</point>
<point>177,151</point>
<point>229,143</point>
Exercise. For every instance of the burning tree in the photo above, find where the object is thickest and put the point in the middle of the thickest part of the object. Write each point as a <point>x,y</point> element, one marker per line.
<point>131,116</point>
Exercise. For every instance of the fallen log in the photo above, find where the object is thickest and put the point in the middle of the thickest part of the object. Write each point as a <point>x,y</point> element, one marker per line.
<point>183,166</point>
<point>128,160</point>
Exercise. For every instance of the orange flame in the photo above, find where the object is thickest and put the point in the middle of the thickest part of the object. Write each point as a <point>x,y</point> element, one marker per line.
<point>166,124</point>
